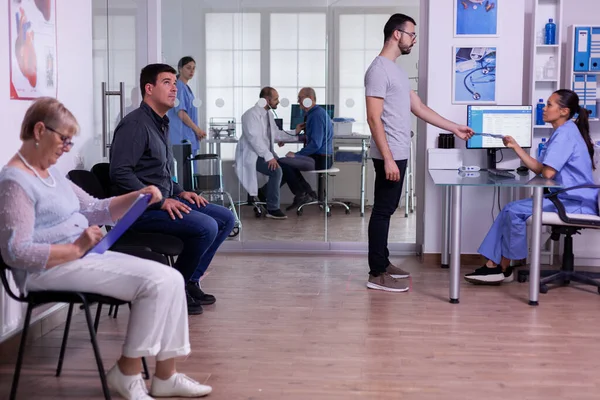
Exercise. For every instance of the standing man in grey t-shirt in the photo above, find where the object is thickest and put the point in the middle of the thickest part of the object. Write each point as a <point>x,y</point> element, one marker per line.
<point>390,102</point>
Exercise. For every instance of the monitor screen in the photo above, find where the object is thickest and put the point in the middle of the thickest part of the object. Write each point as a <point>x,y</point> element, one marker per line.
<point>297,116</point>
<point>515,121</point>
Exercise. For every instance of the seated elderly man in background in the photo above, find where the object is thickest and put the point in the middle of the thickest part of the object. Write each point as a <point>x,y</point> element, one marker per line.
<point>48,224</point>
<point>319,143</point>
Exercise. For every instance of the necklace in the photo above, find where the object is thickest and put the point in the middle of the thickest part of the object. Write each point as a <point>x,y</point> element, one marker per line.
<point>53,184</point>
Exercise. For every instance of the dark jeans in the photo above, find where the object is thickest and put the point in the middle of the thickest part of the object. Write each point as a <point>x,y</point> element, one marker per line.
<point>294,178</point>
<point>202,232</point>
<point>272,186</point>
<point>387,198</point>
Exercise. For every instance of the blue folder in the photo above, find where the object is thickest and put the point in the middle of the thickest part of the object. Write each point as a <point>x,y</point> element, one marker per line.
<point>136,209</point>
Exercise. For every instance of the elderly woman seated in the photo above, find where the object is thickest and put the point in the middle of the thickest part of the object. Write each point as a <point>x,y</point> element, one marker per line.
<point>47,224</point>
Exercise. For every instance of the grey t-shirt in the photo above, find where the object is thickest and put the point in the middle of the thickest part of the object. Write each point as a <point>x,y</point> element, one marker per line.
<point>385,79</point>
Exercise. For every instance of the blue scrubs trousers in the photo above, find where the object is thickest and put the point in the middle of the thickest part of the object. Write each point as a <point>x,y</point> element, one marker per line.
<point>508,235</point>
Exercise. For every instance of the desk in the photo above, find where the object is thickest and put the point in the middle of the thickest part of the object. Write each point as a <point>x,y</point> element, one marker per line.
<point>451,179</point>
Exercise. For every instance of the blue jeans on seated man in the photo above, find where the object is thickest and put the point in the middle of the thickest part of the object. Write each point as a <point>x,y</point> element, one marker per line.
<point>272,186</point>
<point>202,231</point>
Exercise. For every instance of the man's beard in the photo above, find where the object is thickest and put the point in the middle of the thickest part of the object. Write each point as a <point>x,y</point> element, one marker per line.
<point>405,51</point>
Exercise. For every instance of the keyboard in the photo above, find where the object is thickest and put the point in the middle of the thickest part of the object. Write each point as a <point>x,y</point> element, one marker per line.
<point>500,173</point>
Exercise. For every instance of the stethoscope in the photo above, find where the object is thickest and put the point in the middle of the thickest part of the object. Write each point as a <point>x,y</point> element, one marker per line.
<point>283,130</point>
<point>488,70</point>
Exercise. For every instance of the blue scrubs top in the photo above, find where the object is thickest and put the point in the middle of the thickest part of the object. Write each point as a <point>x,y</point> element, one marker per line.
<point>568,154</point>
<point>178,131</point>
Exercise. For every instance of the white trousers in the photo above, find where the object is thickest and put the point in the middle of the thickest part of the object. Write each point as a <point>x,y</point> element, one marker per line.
<point>158,322</point>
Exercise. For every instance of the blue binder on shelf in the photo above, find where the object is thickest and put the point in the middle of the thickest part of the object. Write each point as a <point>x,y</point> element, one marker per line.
<point>591,93</point>
<point>579,87</point>
<point>595,49</point>
<point>582,49</point>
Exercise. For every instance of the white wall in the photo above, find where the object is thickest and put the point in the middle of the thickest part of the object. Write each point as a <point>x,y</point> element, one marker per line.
<point>74,72</point>
<point>74,90</point>
<point>477,202</point>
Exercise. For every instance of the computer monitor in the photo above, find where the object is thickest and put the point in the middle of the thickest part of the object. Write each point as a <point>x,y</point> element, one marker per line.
<point>515,121</point>
<point>297,116</point>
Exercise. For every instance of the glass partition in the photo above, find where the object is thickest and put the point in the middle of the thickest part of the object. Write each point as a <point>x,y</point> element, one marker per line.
<point>319,53</point>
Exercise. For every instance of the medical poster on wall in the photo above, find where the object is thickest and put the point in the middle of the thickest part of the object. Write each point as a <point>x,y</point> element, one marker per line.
<point>476,18</point>
<point>474,75</point>
<point>32,44</point>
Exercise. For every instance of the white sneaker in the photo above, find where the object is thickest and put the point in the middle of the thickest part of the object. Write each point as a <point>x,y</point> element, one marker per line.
<point>178,385</point>
<point>130,387</point>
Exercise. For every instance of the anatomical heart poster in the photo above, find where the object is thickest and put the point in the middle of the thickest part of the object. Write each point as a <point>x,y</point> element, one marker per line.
<point>32,48</point>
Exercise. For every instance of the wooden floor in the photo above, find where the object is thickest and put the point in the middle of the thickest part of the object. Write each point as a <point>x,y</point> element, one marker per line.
<point>310,226</point>
<point>307,328</point>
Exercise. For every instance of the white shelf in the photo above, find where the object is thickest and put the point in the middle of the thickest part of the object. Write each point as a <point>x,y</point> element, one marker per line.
<point>585,72</point>
<point>547,126</point>
<point>547,46</point>
<point>547,80</point>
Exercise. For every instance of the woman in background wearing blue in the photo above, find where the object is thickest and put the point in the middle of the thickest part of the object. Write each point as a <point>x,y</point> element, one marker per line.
<point>568,160</point>
<point>183,117</point>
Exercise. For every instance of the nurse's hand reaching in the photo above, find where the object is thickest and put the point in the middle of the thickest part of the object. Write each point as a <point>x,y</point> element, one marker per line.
<point>510,142</point>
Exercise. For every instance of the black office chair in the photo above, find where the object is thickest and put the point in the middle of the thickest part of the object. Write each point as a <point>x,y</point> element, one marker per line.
<point>167,245</point>
<point>568,225</point>
<point>38,298</point>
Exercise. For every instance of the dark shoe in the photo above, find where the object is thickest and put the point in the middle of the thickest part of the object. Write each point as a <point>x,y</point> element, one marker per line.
<point>276,214</point>
<point>486,276</point>
<point>194,308</point>
<point>193,288</point>
<point>298,201</point>
<point>509,275</point>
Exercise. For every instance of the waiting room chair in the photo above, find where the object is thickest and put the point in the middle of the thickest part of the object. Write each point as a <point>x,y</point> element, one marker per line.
<point>568,225</point>
<point>323,201</point>
<point>38,298</point>
<point>97,185</point>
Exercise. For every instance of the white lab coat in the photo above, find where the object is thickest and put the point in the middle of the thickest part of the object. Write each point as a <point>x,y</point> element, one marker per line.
<point>254,143</point>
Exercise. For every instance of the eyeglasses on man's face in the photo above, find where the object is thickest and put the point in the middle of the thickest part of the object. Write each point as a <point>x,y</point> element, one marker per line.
<point>412,35</point>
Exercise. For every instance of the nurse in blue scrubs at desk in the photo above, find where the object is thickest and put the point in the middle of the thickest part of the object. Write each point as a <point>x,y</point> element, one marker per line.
<point>183,117</point>
<point>569,161</point>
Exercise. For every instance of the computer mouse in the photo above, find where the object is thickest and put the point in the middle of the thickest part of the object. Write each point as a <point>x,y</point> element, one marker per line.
<point>522,170</point>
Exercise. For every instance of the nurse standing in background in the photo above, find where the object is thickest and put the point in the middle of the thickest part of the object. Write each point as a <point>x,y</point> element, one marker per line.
<point>183,117</point>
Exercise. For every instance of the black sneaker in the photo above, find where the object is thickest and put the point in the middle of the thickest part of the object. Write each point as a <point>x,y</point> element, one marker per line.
<point>486,276</point>
<point>298,201</point>
<point>276,214</point>
<point>193,289</point>
<point>194,308</point>
<point>509,275</point>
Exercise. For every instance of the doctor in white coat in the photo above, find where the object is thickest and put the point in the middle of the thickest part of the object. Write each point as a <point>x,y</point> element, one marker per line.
<point>255,151</point>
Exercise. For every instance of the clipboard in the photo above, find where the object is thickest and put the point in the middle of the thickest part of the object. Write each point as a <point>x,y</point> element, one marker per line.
<point>132,214</point>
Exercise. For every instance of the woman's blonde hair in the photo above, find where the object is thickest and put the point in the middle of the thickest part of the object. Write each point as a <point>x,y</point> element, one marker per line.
<point>52,113</point>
